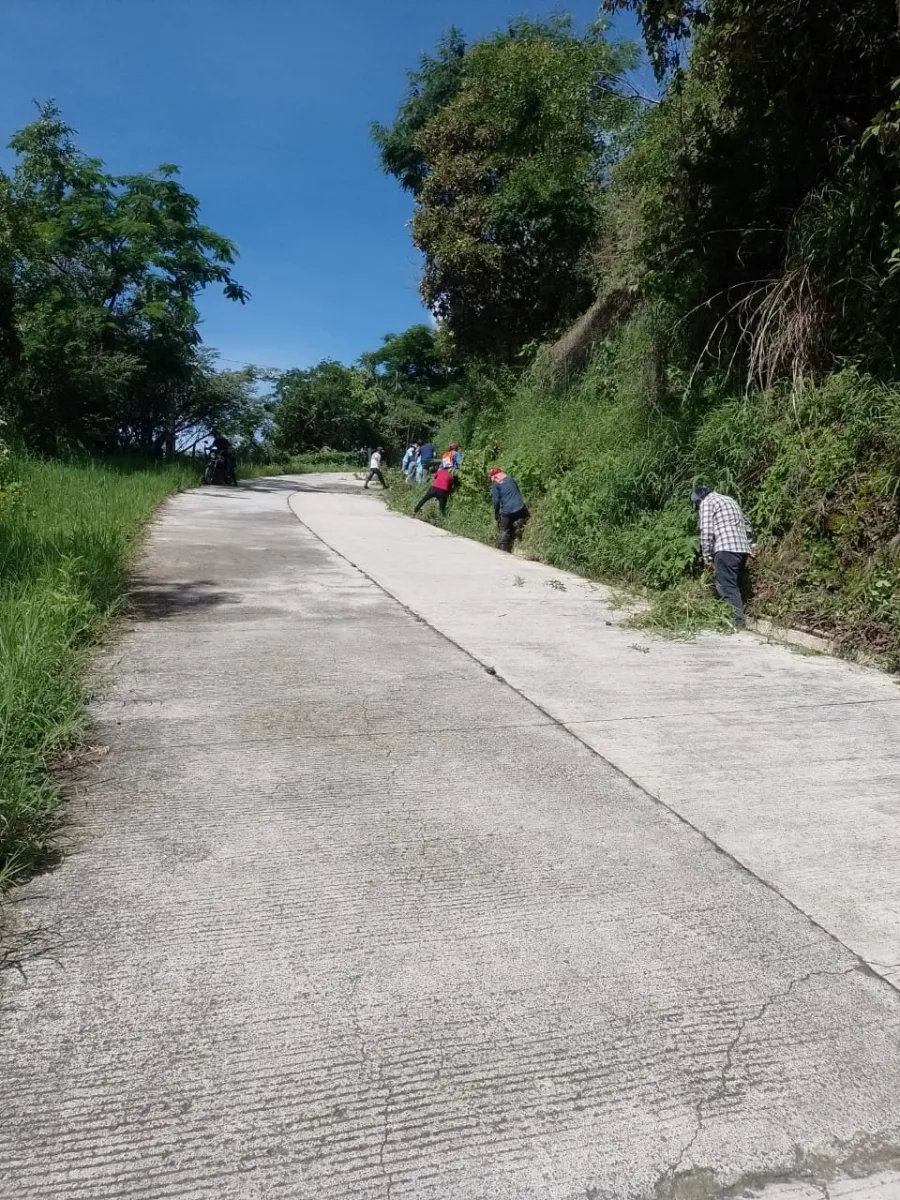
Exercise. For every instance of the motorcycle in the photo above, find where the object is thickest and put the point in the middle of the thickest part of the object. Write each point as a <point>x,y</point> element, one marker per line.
<point>218,470</point>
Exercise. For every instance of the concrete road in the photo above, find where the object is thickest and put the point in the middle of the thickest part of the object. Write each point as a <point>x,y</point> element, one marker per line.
<point>348,916</point>
<point>789,763</point>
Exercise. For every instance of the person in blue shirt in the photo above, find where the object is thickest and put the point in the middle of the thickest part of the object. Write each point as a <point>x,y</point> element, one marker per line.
<point>424,460</point>
<point>408,463</point>
<point>510,510</point>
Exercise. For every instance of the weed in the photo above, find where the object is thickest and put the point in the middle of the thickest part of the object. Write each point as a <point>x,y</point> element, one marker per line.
<point>683,611</point>
<point>65,547</point>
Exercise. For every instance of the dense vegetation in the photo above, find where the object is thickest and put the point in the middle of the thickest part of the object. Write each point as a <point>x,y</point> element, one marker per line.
<point>739,238</point>
<point>66,539</point>
<point>391,395</point>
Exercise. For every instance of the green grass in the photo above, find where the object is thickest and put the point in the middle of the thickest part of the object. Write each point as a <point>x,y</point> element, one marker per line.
<point>683,611</point>
<point>606,464</point>
<point>303,464</point>
<point>66,543</point>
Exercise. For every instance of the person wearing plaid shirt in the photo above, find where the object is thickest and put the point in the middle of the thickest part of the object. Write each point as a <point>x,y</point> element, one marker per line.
<point>726,542</point>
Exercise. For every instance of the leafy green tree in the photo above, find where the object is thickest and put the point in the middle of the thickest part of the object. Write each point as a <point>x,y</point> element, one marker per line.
<point>433,85</point>
<point>102,276</point>
<point>509,181</point>
<point>319,407</point>
<point>761,217</point>
<point>416,364</point>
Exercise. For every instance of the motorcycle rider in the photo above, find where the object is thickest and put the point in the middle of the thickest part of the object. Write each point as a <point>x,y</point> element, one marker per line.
<point>222,447</point>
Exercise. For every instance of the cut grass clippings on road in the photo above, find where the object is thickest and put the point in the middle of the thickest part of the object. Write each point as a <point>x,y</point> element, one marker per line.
<point>682,612</point>
<point>65,549</point>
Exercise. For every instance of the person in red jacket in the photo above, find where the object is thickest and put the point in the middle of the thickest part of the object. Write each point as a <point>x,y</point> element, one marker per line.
<point>441,487</point>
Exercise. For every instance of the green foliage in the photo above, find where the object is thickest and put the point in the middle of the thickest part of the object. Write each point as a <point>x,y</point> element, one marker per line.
<point>318,407</point>
<point>392,395</point>
<point>318,461</point>
<point>99,276</point>
<point>434,84</point>
<point>64,552</point>
<point>749,201</point>
<point>508,182</point>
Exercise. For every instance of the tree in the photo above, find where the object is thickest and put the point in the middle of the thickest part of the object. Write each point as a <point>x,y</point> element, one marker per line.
<point>414,363</point>
<point>437,80</point>
<point>509,179</point>
<point>319,407</point>
<point>102,275</point>
<point>666,25</point>
<point>762,215</point>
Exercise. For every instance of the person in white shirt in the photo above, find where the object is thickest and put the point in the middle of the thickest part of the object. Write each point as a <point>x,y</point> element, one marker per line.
<point>375,469</point>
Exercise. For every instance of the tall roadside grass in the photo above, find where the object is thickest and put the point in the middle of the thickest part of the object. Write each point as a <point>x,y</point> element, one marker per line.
<point>67,538</point>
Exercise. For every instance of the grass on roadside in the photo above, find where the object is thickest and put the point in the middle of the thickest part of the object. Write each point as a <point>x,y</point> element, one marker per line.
<point>303,464</point>
<point>683,611</point>
<point>463,519</point>
<point>65,547</point>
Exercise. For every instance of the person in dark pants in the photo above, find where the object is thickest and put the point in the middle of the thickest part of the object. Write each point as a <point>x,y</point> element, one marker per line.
<point>375,469</point>
<point>222,446</point>
<point>510,511</point>
<point>440,490</point>
<point>726,543</point>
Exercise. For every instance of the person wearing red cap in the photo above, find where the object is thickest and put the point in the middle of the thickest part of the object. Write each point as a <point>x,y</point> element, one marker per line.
<point>441,487</point>
<point>510,510</point>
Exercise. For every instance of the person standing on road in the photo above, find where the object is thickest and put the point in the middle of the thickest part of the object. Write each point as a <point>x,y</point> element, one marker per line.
<point>444,481</point>
<point>375,469</point>
<point>510,511</point>
<point>726,543</point>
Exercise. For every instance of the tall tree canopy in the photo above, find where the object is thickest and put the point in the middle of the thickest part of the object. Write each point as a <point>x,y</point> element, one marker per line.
<point>507,150</point>
<point>397,392</point>
<point>99,276</point>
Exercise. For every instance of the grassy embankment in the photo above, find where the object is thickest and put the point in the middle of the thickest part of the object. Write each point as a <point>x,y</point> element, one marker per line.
<point>67,537</point>
<point>607,473</point>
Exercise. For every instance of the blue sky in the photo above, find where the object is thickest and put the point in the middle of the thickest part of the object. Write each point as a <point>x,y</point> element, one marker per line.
<point>265,105</point>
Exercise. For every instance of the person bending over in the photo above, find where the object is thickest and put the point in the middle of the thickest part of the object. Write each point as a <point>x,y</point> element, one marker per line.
<point>441,487</point>
<point>510,511</point>
<point>726,543</point>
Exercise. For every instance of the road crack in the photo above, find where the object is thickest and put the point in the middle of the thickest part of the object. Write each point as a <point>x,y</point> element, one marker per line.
<point>667,1186</point>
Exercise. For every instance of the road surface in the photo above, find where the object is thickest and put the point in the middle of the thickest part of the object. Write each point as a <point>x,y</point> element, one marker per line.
<point>350,915</point>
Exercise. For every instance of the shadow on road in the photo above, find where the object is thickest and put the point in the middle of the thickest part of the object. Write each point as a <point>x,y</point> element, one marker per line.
<point>157,602</point>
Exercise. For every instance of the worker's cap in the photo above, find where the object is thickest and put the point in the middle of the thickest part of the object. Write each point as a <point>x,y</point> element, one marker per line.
<point>494,471</point>
<point>698,495</point>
